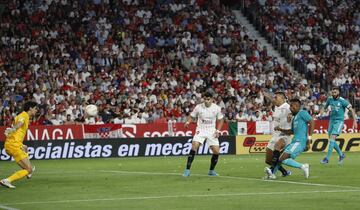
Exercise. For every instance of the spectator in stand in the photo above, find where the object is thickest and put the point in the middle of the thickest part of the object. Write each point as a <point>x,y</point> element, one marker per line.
<point>161,118</point>
<point>267,116</point>
<point>99,120</point>
<point>56,120</point>
<point>119,62</point>
<point>256,116</point>
<point>241,116</point>
<point>308,31</point>
<point>2,123</point>
<point>69,120</point>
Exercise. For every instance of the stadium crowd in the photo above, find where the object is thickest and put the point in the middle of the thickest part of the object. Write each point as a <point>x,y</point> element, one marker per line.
<point>323,36</point>
<point>144,61</point>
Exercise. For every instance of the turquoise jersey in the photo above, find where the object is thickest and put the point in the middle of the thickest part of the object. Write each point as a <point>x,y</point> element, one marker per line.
<point>338,107</point>
<point>299,126</point>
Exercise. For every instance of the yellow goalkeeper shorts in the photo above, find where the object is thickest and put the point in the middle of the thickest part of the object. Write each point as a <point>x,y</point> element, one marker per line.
<point>16,151</point>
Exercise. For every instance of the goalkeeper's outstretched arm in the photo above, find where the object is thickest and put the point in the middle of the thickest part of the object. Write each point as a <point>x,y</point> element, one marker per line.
<point>13,128</point>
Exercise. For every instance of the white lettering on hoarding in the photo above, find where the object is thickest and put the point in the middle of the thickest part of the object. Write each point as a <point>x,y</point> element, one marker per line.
<point>90,149</point>
<point>322,130</point>
<point>128,150</point>
<point>166,133</point>
<point>176,149</point>
<point>180,148</point>
<point>44,134</point>
<point>131,131</point>
<point>127,133</point>
<point>4,155</point>
<point>167,149</point>
<point>69,150</point>
<point>153,149</point>
<point>224,147</point>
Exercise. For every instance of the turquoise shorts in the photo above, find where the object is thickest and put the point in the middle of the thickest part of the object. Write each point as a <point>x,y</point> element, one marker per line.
<point>335,127</point>
<point>294,149</point>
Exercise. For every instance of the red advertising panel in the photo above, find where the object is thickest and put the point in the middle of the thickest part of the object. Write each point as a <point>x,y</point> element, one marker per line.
<point>162,130</point>
<point>50,132</point>
<point>115,147</point>
<point>321,126</point>
<point>54,132</point>
<point>138,131</point>
<point>102,131</point>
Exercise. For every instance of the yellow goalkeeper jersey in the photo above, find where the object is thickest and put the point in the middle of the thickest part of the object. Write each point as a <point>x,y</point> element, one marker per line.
<point>17,137</point>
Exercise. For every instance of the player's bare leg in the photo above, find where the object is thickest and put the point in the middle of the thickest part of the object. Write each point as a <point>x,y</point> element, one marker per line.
<point>214,159</point>
<point>269,156</point>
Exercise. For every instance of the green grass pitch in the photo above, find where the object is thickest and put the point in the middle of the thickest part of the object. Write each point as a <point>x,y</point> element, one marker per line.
<point>156,183</point>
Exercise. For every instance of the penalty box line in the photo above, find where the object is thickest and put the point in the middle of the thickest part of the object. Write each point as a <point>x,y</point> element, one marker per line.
<point>233,177</point>
<point>181,196</point>
<point>7,207</point>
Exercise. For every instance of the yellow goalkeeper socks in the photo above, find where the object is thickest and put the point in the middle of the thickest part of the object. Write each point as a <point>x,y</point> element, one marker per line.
<point>18,175</point>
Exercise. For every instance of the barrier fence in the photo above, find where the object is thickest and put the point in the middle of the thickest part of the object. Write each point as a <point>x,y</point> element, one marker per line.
<point>144,140</point>
<point>125,147</point>
<point>164,146</point>
<point>152,130</point>
<point>257,143</point>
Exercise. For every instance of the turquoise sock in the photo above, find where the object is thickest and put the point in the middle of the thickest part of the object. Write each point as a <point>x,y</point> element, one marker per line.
<point>337,148</point>
<point>331,147</point>
<point>292,163</point>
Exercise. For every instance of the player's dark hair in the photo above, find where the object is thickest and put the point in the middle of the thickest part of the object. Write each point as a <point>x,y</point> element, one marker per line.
<point>336,88</point>
<point>28,105</point>
<point>295,100</point>
<point>281,93</point>
<point>208,95</point>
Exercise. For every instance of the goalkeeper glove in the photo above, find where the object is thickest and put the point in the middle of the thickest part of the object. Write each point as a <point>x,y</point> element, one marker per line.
<point>8,131</point>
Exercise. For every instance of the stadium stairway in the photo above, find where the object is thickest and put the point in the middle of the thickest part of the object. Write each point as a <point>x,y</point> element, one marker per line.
<point>262,40</point>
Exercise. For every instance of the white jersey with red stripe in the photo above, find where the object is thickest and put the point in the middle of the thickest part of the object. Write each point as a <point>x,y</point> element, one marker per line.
<point>206,117</point>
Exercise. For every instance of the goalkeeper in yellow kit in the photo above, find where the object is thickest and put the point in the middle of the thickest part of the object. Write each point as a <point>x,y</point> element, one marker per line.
<point>14,144</point>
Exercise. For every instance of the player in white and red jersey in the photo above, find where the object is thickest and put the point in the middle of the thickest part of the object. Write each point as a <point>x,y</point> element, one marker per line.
<point>282,119</point>
<point>209,122</point>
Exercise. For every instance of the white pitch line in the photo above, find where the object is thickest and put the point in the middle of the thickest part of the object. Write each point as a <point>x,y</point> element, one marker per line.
<point>293,182</point>
<point>182,196</point>
<point>233,177</point>
<point>7,207</point>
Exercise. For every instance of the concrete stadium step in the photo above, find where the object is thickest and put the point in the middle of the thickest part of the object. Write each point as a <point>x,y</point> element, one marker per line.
<point>262,40</point>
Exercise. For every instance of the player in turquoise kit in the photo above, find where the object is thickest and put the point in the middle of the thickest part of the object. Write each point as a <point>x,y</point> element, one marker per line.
<point>337,105</point>
<point>301,140</point>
